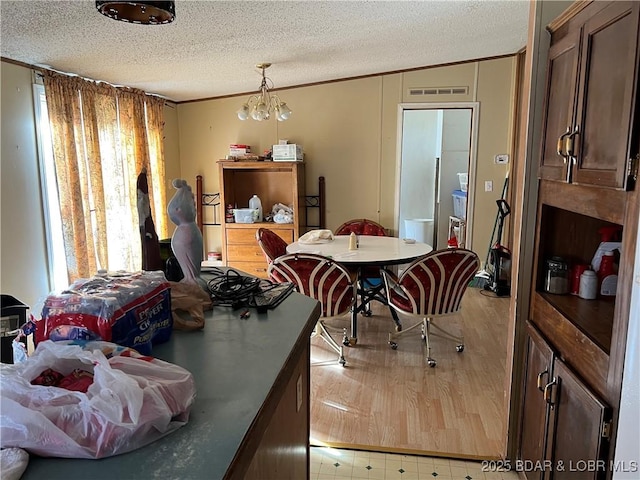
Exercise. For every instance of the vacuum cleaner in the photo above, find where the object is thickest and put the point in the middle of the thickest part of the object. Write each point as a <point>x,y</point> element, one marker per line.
<point>499,262</point>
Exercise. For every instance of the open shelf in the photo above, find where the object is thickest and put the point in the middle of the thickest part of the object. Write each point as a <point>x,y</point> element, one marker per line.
<point>594,318</point>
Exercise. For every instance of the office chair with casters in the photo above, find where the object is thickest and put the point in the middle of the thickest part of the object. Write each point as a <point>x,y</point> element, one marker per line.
<point>272,245</point>
<point>370,280</point>
<point>431,288</point>
<point>323,279</point>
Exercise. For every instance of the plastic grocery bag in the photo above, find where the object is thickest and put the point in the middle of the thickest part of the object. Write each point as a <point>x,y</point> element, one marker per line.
<point>133,401</point>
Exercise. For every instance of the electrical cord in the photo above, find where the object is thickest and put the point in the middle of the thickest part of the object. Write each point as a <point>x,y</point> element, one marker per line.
<point>231,288</point>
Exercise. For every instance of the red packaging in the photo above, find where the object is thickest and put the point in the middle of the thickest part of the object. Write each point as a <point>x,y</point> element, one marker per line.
<point>576,271</point>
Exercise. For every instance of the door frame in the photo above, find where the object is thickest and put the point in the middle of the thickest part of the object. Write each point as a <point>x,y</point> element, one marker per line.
<point>473,150</point>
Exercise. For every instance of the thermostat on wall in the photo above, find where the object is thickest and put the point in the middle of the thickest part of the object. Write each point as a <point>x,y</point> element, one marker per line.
<point>502,158</point>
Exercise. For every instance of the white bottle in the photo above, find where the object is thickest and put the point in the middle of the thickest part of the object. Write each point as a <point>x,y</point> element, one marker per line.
<point>588,285</point>
<point>256,204</point>
<point>353,241</point>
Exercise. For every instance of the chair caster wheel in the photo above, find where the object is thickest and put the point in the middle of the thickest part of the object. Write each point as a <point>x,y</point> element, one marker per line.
<point>398,328</point>
<point>431,362</point>
<point>346,342</point>
<point>342,361</point>
<point>459,348</point>
<point>393,345</point>
<point>368,313</point>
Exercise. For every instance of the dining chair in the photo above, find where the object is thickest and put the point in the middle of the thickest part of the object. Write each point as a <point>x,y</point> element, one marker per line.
<point>272,245</point>
<point>361,226</point>
<point>323,279</point>
<point>429,289</point>
<point>370,280</point>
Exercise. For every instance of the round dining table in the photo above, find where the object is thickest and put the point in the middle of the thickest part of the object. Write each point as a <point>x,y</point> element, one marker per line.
<point>372,251</point>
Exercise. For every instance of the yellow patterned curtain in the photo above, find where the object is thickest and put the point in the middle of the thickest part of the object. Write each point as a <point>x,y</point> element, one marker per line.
<point>156,176</point>
<point>100,144</point>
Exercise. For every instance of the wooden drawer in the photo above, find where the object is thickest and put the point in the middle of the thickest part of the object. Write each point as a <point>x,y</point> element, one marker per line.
<point>247,235</point>
<point>248,253</point>
<point>258,269</point>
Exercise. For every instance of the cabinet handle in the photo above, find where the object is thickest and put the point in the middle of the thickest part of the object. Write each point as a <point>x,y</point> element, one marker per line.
<point>561,143</point>
<point>569,147</point>
<point>540,383</point>
<point>548,392</point>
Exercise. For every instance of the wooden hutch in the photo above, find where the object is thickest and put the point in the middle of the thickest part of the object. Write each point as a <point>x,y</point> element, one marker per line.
<point>273,182</point>
<point>576,347</point>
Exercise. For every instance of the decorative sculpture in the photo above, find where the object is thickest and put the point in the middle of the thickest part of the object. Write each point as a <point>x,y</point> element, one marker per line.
<point>186,241</point>
<point>151,259</point>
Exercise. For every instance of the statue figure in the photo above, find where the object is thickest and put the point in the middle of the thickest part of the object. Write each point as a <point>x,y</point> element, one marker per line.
<point>186,241</point>
<point>151,259</point>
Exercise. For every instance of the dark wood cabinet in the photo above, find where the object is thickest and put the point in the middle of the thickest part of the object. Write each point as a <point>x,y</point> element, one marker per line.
<point>579,428</point>
<point>576,348</point>
<point>562,80</point>
<point>590,105</point>
<point>565,426</point>
<point>534,412</point>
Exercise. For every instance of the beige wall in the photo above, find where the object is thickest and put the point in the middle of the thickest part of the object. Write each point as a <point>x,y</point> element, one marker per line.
<point>348,130</point>
<point>23,256</point>
<point>349,133</point>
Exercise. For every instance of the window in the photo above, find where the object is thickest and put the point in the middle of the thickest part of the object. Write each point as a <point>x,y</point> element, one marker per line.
<point>58,277</point>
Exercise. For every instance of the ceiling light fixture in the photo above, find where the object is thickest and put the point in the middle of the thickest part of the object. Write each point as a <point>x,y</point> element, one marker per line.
<point>145,13</point>
<point>260,106</point>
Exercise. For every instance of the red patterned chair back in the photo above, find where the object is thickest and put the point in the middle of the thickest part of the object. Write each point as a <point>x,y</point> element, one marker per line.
<point>361,226</point>
<point>317,277</point>
<point>271,244</point>
<point>434,284</point>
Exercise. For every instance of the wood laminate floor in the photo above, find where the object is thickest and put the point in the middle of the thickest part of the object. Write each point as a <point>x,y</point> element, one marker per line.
<point>388,400</point>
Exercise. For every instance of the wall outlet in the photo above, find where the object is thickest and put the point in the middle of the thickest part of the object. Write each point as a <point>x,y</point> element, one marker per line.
<point>488,186</point>
<point>502,158</point>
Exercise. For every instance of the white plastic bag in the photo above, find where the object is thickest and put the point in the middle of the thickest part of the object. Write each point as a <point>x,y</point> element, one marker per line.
<point>133,401</point>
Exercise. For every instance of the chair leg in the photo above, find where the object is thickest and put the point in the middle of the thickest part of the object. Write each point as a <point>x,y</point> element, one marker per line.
<point>440,332</point>
<point>426,333</point>
<point>326,336</point>
<point>399,333</point>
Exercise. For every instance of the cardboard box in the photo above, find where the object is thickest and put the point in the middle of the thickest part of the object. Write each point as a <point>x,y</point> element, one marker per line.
<point>287,153</point>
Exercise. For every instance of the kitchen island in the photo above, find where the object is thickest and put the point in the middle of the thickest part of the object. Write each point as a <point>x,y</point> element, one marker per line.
<point>250,418</point>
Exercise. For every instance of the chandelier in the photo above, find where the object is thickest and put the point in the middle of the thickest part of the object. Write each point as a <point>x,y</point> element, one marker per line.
<point>145,13</point>
<point>260,106</point>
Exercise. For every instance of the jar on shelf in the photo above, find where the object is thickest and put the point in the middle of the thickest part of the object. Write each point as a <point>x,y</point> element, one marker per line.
<point>228,214</point>
<point>556,276</point>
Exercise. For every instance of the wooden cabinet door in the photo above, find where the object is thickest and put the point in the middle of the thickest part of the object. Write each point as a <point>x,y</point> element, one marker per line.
<point>577,446</point>
<point>607,94</point>
<point>560,101</point>
<point>534,409</point>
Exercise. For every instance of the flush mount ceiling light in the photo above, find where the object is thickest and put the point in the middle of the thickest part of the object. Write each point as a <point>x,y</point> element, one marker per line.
<point>260,106</point>
<point>145,13</point>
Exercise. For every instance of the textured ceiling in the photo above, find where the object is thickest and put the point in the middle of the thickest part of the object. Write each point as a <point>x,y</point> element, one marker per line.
<point>212,47</point>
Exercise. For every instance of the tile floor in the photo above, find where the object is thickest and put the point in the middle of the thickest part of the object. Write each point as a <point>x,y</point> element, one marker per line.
<point>338,464</point>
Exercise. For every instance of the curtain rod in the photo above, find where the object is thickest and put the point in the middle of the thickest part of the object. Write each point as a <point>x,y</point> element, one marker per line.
<point>38,73</point>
